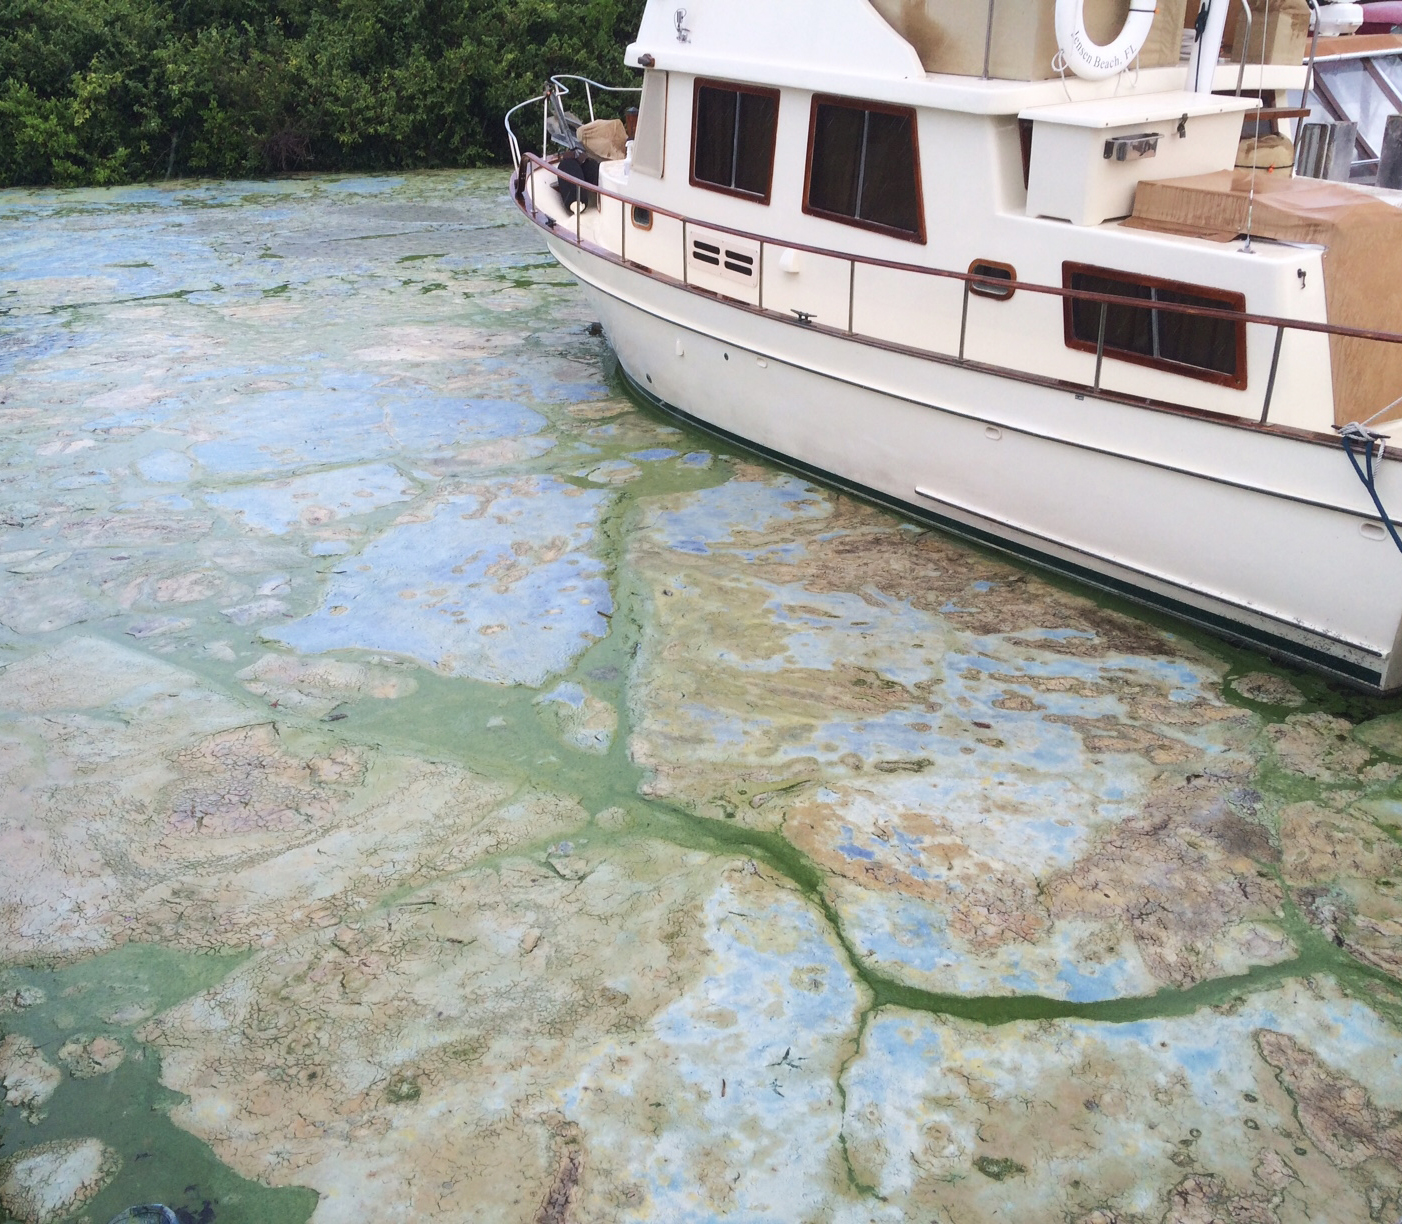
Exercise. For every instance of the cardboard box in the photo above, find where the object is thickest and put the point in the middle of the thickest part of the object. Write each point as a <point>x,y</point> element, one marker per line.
<point>1362,261</point>
<point>949,35</point>
<point>1285,30</point>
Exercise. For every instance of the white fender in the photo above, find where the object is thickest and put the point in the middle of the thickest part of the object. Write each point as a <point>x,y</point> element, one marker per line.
<point>1090,60</point>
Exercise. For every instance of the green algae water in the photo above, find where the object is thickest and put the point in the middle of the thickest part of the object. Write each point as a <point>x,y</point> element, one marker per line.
<point>127,1109</point>
<point>438,786</point>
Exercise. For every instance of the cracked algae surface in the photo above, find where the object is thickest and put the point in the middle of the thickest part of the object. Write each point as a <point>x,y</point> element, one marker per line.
<point>433,787</point>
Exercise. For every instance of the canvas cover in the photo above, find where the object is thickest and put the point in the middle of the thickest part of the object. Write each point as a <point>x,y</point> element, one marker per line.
<point>606,139</point>
<point>1362,261</point>
<point>949,35</point>
<point>1282,25</point>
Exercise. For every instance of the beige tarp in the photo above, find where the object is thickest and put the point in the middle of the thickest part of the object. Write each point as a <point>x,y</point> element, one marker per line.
<point>949,35</point>
<point>606,139</point>
<point>1362,263</point>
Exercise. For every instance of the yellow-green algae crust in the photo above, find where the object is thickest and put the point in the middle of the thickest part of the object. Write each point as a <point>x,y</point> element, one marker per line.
<point>434,787</point>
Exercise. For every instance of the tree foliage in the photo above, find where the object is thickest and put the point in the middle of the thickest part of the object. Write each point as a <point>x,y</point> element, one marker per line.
<point>112,91</point>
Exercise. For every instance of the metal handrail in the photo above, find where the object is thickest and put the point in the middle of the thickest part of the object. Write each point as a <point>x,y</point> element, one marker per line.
<point>558,88</point>
<point>968,279</point>
<point>511,139</point>
<point>1085,295</point>
<point>589,87</point>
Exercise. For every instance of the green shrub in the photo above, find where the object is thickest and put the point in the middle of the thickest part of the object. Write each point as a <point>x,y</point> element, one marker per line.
<point>110,91</point>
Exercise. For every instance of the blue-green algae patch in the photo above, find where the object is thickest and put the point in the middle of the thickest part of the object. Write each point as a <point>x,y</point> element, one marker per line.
<point>127,1109</point>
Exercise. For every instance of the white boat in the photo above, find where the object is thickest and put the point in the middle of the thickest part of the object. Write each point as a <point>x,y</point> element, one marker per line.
<point>1046,314</point>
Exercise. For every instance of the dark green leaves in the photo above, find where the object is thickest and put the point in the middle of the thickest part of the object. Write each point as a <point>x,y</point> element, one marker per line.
<point>107,91</point>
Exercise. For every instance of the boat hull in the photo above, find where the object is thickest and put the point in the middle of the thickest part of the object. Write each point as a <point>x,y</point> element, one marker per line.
<point>1258,537</point>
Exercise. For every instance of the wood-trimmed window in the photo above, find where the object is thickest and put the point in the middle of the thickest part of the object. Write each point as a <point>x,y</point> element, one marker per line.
<point>999,280</point>
<point>733,130</point>
<point>864,167</point>
<point>1213,350</point>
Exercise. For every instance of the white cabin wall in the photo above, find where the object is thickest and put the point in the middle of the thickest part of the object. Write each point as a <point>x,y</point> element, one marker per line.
<point>979,213</point>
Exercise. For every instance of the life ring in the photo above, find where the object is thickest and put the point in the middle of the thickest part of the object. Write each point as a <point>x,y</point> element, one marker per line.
<point>1087,58</point>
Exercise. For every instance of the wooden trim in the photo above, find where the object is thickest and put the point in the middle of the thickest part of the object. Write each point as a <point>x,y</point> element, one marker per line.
<point>994,291</point>
<point>1235,302</point>
<point>881,108</point>
<point>634,210</point>
<point>738,88</point>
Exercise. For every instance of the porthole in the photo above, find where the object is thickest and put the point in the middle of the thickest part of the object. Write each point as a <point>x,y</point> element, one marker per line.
<point>997,279</point>
<point>642,218</point>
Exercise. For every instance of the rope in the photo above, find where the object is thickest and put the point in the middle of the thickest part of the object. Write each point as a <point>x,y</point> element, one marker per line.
<point>1372,443</point>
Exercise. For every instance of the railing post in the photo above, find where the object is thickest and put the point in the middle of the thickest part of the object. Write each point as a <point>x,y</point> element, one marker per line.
<point>851,296</point>
<point>762,245</point>
<point>964,321</point>
<point>1275,365</point>
<point>623,211</point>
<point>686,279</point>
<point>988,42</point>
<point>578,216</point>
<point>1100,343</point>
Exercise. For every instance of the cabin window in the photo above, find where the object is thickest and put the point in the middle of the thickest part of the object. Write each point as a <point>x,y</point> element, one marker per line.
<point>864,167</point>
<point>732,139</point>
<point>1210,349</point>
<point>997,282</point>
<point>642,217</point>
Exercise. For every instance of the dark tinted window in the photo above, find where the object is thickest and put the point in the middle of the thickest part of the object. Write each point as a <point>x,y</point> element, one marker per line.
<point>733,140</point>
<point>1184,343</point>
<point>863,167</point>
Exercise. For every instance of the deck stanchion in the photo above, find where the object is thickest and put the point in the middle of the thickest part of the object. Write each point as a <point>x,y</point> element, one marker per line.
<point>1275,365</point>
<point>851,296</point>
<point>964,321</point>
<point>1100,343</point>
<point>686,280</point>
<point>762,245</point>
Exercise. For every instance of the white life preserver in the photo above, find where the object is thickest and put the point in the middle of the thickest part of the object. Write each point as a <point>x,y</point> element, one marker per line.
<point>1087,58</point>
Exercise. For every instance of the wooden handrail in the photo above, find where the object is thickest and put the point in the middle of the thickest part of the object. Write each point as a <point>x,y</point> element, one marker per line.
<point>1080,295</point>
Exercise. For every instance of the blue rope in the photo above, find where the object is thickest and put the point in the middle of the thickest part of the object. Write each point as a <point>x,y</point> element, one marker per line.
<point>1368,477</point>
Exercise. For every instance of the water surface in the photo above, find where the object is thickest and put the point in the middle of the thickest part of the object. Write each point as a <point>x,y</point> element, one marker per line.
<point>435,787</point>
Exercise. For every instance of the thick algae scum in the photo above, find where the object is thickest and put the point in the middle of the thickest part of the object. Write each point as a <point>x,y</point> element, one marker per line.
<point>437,788</point>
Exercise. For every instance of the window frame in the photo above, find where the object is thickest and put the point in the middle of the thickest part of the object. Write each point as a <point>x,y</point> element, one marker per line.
<point>883,108</point>
<point>1228,300</point>
<point>984,289</point>
<point>738,87</point>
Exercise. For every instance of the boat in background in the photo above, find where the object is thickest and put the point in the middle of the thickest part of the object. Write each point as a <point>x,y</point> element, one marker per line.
<point>1009,275</point>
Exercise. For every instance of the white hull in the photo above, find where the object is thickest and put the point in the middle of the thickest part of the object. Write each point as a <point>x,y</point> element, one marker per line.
<point>1257,535</point>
